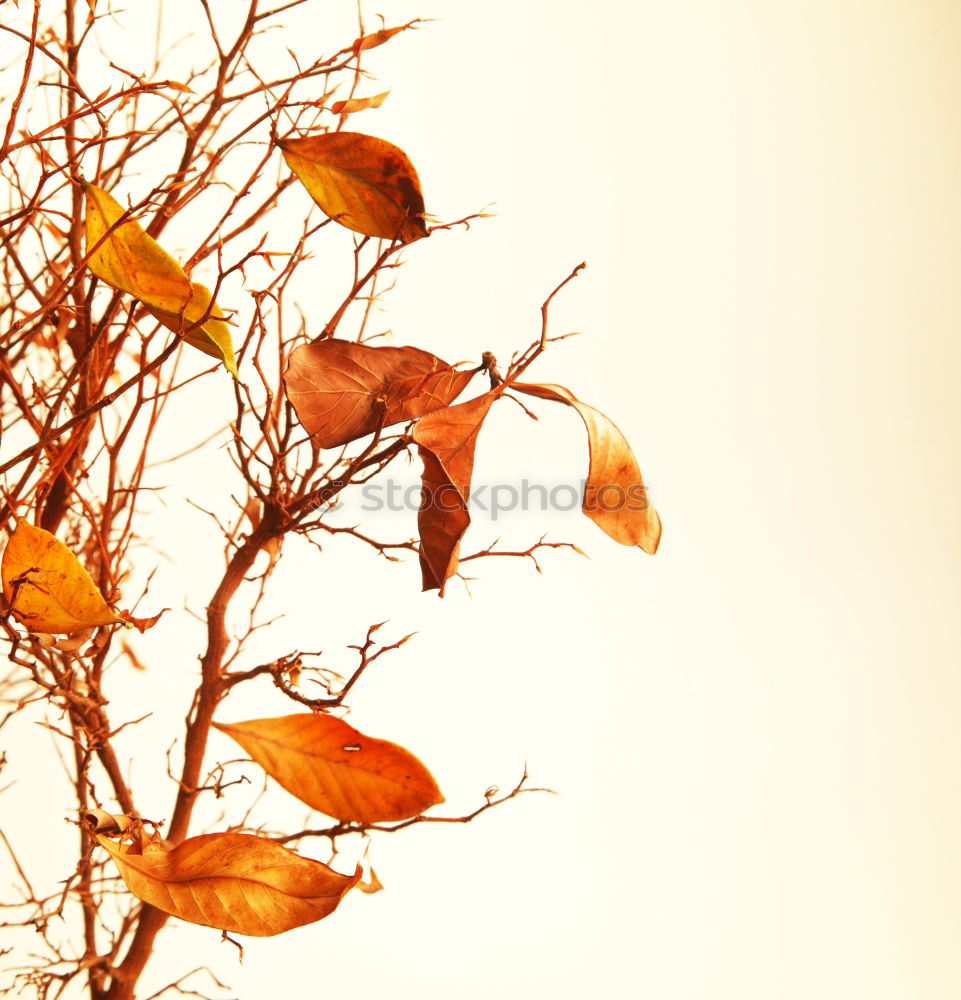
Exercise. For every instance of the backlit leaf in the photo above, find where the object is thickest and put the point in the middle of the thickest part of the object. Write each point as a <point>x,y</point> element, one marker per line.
<point>615,498</point>
<point>131,261</point>
<point>376,38</point>
<point>342,390</point>
<point>365,184</point>
<point>354,104</point>
<point>232,881</point>
<point>213,337</point>
<point>337,770</point>
<point>445,440</point>
<point>45,586</point>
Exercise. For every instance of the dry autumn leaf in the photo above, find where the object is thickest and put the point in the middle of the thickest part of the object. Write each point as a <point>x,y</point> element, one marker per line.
<point>342,390</point>
<point>337,770</point>
<point>615,498</point>
<point>127,259</point>
<point>445,440</point>
<point>355,104</point>
<point>46,588</point>
<point>213,337</point>
<point>366,184</point>
<point>376,38</point>
<point>232,881</point>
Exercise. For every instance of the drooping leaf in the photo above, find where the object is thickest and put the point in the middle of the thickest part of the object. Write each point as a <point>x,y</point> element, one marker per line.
<point>232,881</point>
<point>131,261</point>
<point>46,588</point>
<point>342,390</point>
<point>615,498</point>
<point>372,885</point>
<point>354,104</point>
<point>366,184</point>
<point>213,337</point>
<point>446,440</point>
<point>337,770</point>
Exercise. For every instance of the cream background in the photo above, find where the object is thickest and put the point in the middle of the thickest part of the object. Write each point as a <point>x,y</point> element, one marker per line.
<point>756,733</point>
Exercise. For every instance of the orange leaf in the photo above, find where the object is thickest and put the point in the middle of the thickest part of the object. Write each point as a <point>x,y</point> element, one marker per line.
<point>141,624</point>
<point>615,498</point>
<point>445,440</point>
<point>46,588</point>
<point>342,390</point>
<point>232,881</point>
<point>376,38</point>
<point>337,770</point>
<point>358,104</point>
<point>366,184</point>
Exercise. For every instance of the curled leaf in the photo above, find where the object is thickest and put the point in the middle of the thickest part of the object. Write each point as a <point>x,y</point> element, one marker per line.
<point>615,497</point>
<point>372,885</point>
<point>337,770</point>
<point>366,184</point>
<point>141,624</point>
<point>232,881</point>
<point>445,441</point>
<point>46,588</point>
<point>100,821</point>
<point>342,390</point>
<point>354,104</point>
<point>127,259</point>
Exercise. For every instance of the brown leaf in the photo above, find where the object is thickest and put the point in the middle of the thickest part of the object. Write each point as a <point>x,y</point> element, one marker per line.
<point>337,770</point>
<point>45,586</point>
<point>342,390</point>
<point>445,440</point>
<point>353,104</point>
<point>366,184</point>
<point>615,498</point>
<point>232,881</point>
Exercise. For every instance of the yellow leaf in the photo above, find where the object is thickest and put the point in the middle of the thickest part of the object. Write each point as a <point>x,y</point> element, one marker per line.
<point>232,881</point>
<point>337,770</point>
<point>366,184</point>
<point>213,337</point>
<point>128,259</point>
<point>131,261</point>
<point>46,588</point>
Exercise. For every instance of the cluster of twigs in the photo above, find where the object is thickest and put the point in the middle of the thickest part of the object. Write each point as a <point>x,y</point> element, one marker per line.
<point>86,377</point>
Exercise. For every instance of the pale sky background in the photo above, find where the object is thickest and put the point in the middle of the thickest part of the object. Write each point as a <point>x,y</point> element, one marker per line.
<point>756,734</point>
